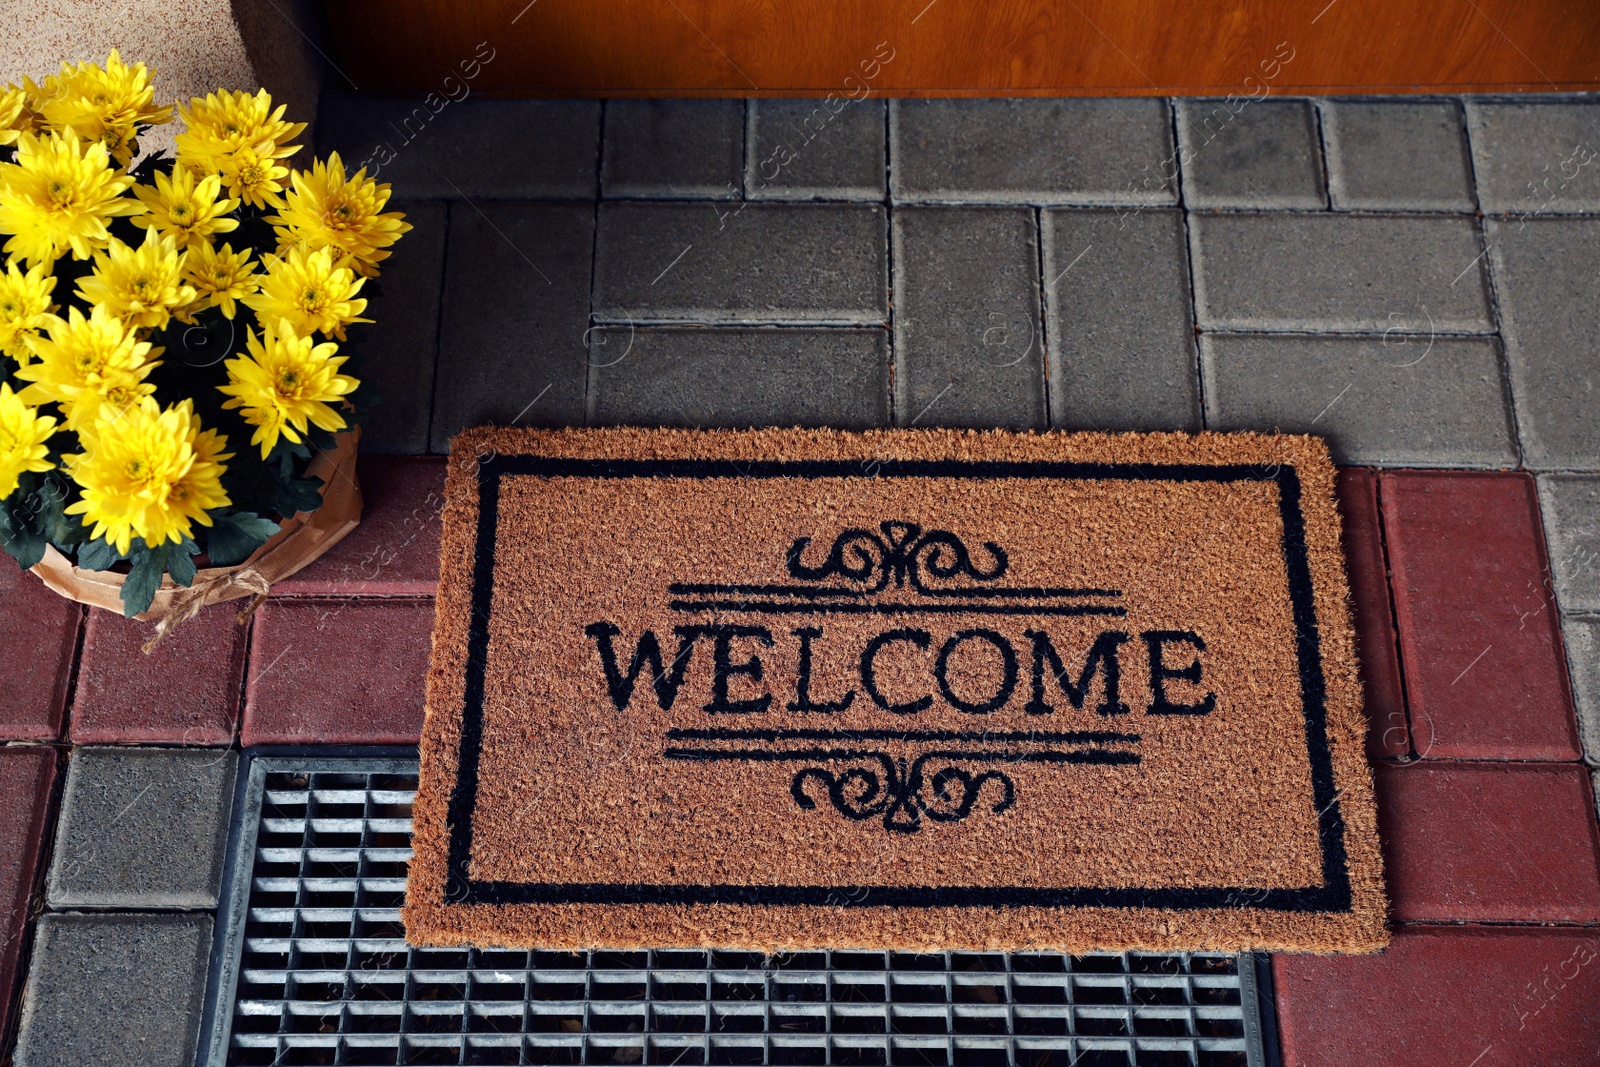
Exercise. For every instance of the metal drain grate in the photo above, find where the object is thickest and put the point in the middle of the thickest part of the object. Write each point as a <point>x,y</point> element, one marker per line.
<point>312,968</point>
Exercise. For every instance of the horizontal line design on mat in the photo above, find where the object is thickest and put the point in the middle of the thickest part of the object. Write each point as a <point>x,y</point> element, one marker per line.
<point>785,607</point>
<point>1295,899</point>
<point>770,755</point>
<point>1024,592</point>
<point>494,465</point>
<point>990,736</point>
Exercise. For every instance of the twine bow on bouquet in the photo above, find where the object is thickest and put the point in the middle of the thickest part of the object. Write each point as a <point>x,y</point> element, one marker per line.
<point>153,318</point>
<point>242,581</point>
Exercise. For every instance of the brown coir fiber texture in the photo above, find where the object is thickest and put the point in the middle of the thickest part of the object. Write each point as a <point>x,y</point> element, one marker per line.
<point>910,689</point>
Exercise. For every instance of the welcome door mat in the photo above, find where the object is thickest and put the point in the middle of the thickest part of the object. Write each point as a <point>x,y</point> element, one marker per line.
<point>909,689</point>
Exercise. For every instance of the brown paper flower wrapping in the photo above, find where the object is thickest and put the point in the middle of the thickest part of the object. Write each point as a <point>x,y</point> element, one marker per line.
<point>301,538</point>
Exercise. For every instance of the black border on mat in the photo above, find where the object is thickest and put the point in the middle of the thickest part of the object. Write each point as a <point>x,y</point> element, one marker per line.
<point>1332,896</point>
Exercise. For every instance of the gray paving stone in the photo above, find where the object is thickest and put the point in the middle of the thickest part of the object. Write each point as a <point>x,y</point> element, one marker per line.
<point>967,333</point>
<point>483,148</point>
<point>745,263</point>
<point>1339,272</point>
<point>1384,405</point>
<point>1121,331</point>
<point>1392,156</point>
<point>1583,660</point>
<point>673,148</point>
<point>1547,275</point>
<point>815,149</point>
<point>736,378</point>
<point>142,828</point>
<point>1062,151</point>
<point>512,346</point>
<point>1571,507</point>
<point>395,353</point>
<point>1261,154</point>
<point>115,990</point>
<point>1536,157</point>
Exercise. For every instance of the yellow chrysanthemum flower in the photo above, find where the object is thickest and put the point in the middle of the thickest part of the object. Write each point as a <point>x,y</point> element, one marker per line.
<point>150,474</point>
<point>255,178</point>
<point>306,290</point>
<point>24,308</point>
<point>185,209</point>
<point>223,122</point>
<point>14,115</point>
<point>106,104</point>
<point>90,366</point>
<point>240,138</point>
<point>324,209</point>
<point>142,285</point>
<point>285,382</point>
<point>23,433</point>
<point>219,276</point>
<point>60,194</point>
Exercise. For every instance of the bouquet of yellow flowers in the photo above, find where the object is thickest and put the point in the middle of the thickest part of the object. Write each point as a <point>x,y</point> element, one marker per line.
<point>155,319</point>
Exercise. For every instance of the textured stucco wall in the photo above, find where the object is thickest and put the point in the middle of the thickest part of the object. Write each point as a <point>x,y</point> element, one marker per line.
<point>194,46</point>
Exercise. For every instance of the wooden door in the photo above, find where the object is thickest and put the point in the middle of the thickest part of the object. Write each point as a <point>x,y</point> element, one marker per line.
<point>966,47</point>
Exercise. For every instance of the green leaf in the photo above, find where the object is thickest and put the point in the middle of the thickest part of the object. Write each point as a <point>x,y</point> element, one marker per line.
<point>139,588</point>
<point>180,564</point>
<point>60,529</point>
<point>283,456</point>
<point>21,532</point>
<point>25,544</point>
<point>291,491</point>
<point>149,564</point>
<point>298,494</point>
<point>232,538</point>
<point>98,555</point>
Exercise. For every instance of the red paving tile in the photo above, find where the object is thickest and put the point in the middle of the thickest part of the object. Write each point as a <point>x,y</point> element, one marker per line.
<point>38,634</point>
<point>26,775</point>
<point>1484,672</point>
<point>395,550</point>
<point>1369,587</point>
<point>1489,841</point>
<point>1459,996</point>
<point>345,671</point>
<point>185,692</point>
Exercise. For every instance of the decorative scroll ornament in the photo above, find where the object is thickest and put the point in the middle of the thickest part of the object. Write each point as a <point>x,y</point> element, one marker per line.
<point>904,553</point>
<point>900,793</point>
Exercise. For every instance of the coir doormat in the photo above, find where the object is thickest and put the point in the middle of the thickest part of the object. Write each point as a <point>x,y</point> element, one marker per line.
<point>900,689</point>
